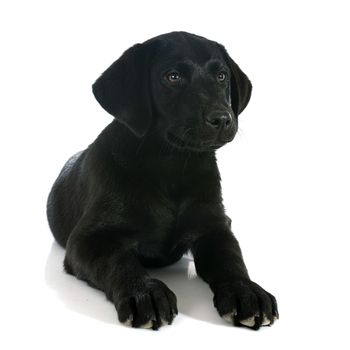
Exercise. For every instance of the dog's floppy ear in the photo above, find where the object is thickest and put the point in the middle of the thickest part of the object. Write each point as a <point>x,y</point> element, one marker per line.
<point>123,90</point>
<point>241,87</point>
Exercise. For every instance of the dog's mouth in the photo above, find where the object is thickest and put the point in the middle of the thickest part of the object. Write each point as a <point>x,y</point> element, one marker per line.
<point>192,146</point>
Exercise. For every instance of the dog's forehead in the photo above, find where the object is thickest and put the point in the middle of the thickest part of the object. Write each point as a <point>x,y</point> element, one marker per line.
<point>185,47</point>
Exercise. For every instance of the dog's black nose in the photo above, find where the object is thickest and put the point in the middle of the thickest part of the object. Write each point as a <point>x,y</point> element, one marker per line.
<point>219,120</point>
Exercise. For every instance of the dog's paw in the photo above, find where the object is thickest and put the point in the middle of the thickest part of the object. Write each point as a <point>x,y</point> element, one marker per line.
<point>153,305</point>
<point>245,303</point>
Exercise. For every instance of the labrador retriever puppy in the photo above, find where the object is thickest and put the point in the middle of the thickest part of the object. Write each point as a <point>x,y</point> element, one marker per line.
<point>147,190</point>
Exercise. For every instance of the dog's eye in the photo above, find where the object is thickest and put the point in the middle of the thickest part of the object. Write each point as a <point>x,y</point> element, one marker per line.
<point>173,77</point>
<point>221,76</point>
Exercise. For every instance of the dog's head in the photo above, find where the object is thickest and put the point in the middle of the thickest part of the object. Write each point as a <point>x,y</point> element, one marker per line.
<point>183,87</point>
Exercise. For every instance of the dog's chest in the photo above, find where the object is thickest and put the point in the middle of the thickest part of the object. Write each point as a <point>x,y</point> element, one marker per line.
<point>164,240</point>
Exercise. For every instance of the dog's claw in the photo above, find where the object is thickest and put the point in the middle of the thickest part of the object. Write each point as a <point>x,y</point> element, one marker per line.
<point>249,322</point>
<point>147,325</point>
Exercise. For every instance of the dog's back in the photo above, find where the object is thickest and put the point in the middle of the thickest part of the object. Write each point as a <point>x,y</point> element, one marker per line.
<point>64,201</point>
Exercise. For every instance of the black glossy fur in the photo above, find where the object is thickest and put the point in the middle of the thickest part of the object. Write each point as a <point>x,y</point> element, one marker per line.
<point>147,190</point>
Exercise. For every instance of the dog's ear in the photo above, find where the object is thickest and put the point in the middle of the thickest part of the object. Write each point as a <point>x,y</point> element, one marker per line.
<point>241,87</point>
<point>123,90</point>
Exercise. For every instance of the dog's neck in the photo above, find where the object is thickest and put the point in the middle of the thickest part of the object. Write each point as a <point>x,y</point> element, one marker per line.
<point>128,149</point>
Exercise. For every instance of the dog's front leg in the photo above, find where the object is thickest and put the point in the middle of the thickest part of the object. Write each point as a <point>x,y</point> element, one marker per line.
<point>219,262</point>
<point>100,258</point>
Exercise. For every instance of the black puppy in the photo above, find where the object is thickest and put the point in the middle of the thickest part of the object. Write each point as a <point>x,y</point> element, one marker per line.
<point>147,190</point>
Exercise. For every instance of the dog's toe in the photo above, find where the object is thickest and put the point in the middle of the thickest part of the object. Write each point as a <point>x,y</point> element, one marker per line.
<point>128,321</point>
<point>229,316</point>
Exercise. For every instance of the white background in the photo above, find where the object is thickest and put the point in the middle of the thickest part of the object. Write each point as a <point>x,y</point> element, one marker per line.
<point>285,177</point>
